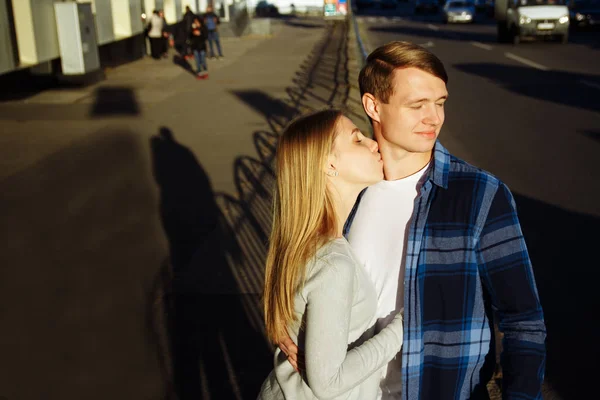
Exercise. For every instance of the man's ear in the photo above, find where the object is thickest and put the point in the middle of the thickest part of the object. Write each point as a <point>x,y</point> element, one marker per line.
<point>370,105</point>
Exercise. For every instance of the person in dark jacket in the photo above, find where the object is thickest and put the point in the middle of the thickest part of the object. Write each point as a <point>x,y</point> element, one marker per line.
<point>188,20</point>
<point>164,46</point>
<point>198,37</point>
<point>212,22</point>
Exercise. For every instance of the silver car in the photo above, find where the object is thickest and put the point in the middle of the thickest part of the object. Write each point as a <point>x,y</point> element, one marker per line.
<point>459,11</point>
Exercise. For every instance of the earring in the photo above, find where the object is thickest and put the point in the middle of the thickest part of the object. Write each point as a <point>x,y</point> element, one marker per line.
<point>333,173</point>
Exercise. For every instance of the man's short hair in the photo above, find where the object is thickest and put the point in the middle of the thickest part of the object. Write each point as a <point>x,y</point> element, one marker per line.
<point>377,76</point>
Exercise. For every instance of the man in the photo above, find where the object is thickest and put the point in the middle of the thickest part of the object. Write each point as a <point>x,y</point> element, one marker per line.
<point>188,20</point>
<point>442,242</point>
<point>212,22</point>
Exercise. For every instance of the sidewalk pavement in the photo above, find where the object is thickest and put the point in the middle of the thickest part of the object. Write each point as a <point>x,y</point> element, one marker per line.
<point>136,218</point>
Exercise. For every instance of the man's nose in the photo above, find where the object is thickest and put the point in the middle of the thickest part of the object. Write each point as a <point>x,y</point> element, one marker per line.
<point>433,115</point>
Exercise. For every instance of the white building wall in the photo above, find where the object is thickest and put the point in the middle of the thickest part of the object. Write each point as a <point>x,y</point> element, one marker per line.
<point>103,17</point>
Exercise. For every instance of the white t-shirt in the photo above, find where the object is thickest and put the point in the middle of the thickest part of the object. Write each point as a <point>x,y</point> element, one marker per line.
<point>378,236</point>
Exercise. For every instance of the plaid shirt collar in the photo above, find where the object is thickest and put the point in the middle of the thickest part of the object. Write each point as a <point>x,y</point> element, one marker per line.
<point>441,166</point>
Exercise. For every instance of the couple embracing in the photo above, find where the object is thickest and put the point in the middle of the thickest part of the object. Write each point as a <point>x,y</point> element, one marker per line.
<point>390,260</point>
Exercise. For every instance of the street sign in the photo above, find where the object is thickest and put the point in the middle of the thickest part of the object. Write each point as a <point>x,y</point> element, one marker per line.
<point>335,9</point>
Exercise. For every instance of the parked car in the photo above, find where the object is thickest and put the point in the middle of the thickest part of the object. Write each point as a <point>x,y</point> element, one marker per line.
<point>584,13</point>
<point>459,11</point>
<point>426,6</point>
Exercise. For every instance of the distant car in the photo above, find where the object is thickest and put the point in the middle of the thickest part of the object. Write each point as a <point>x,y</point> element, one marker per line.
<point>459,11</point>
<point>584,13</point>
<point>426,6</point>
<point>266,9</point>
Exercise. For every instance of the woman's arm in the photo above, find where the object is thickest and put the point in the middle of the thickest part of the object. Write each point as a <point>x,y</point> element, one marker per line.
<point>331,370</point>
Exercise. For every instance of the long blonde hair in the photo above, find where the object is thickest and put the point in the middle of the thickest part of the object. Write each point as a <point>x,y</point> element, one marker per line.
<point>303,217</point>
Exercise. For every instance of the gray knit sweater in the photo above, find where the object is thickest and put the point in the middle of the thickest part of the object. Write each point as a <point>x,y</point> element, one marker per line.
<point>343,359</point>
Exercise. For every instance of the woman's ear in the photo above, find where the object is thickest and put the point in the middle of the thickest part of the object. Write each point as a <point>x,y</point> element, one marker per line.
<point>330,164</point>
<point>369,103</point>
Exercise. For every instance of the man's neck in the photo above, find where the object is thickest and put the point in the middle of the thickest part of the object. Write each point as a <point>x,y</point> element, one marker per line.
<point>399,163</point>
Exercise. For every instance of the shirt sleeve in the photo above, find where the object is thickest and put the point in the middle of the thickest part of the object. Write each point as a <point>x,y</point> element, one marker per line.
<point>508,277</point>
<point>331,370</point>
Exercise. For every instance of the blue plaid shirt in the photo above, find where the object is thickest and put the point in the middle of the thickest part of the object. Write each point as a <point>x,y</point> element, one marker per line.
<point>467,259</point>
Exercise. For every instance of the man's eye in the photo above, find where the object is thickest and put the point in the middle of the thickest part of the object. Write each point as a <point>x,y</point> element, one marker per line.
<point>417,107</point>
<point>441,104</point>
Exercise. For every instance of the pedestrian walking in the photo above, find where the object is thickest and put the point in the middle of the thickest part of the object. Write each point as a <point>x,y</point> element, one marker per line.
<point>188,20</point>
<point>198,37</point>
<point>155,34</point>
<point>165,35</point>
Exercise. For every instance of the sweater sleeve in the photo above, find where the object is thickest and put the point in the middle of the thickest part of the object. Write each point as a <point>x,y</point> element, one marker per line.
<point>331,370</point>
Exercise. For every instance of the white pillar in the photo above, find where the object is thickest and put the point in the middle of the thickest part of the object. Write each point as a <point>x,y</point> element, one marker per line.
<point>149,6</point>
<point>7,62</point>
<point>172,11</point>
<point>126,18</point>
<point>36,30</point>
<point>192,4</point>
<point>202,5</point>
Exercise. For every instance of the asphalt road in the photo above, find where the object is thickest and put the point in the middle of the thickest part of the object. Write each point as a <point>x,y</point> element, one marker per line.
<point>530,114</point>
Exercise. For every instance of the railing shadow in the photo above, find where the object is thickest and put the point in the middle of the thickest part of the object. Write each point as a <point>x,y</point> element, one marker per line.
<point>198,306</point>
<point>214,341</point>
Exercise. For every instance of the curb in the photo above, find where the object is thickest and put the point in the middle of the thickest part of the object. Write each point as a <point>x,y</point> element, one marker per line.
<point>361,45</point>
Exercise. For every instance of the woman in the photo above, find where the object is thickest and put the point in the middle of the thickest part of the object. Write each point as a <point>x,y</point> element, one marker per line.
<point>155,33</point>
<point>315,290</point>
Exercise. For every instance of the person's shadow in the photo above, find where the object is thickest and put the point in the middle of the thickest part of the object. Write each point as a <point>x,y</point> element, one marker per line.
<point>215,350</point>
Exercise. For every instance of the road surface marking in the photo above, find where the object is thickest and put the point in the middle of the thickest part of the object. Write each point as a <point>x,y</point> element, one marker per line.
<point>590,84</point>
<point>482,46</point>
<point>428,44</point>
<point>433,27</point>
<point>526,62</point>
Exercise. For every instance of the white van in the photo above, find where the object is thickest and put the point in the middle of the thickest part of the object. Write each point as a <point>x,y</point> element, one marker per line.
<point>532,18</point>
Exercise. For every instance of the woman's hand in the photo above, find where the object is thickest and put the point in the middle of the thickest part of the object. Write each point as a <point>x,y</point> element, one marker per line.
<point>294,357</point>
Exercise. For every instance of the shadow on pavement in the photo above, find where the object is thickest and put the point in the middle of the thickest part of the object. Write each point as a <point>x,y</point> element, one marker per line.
<point>82,245</point>
<point>112,101</point>
<point>308,23</point>
<point>321,82</point>
<point>183,63</point>
<point>209,291</point>
<point>591,134</point>
<point>216,345</point>
<point>559,87</point>
<point>563,250</point>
